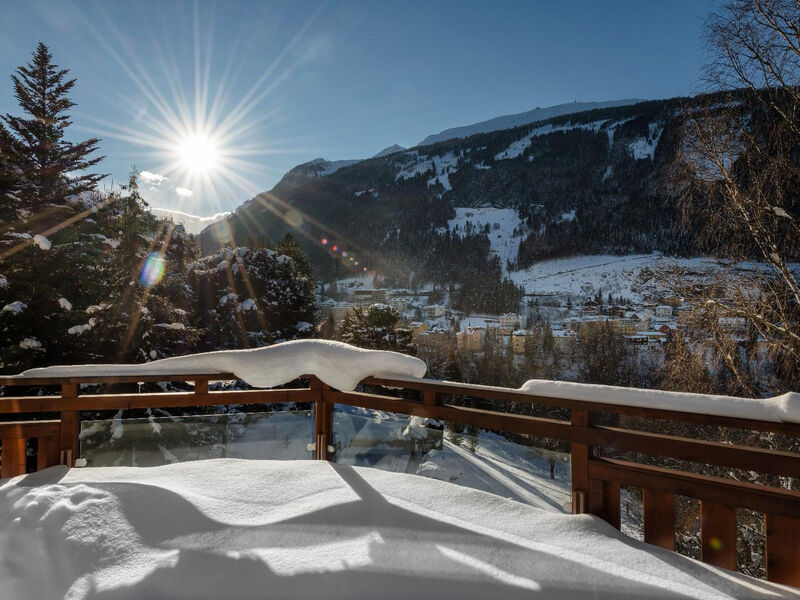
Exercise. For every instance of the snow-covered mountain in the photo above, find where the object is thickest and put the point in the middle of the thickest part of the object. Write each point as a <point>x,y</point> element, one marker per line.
<point>531,116</point>
<point>390,150</point>
<point>192,223</point>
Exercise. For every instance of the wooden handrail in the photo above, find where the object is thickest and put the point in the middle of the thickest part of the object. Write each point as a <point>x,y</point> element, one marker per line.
<point>596,481</point>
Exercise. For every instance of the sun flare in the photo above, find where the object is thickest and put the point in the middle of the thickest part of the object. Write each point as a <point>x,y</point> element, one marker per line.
<point>198,154</point>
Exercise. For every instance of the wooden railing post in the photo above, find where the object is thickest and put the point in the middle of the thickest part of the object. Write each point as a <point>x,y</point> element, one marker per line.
<point>430,397</point>
<point>718,535</point>
<point>12,461</point>
<point>783,550</point>
<point>47,455</point>
<point>69,443</point>
<point>579,458</point>
<point>323,420</point>
<point>591,495</point>
<point>659,518</point>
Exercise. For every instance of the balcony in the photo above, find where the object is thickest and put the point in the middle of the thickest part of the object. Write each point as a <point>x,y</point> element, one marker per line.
<point>608,441</point>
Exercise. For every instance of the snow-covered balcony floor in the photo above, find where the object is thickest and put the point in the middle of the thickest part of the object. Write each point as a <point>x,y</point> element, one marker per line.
<point>233,528</point>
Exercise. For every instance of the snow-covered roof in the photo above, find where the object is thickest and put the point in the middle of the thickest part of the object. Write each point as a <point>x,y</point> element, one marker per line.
<point>232,528</point>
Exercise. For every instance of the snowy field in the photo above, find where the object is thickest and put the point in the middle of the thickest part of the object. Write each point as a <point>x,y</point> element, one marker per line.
<point>579,276</point>
<point>236,529</point>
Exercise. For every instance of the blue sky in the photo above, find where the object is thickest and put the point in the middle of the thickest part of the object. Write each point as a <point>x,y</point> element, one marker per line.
<point>302,79</point>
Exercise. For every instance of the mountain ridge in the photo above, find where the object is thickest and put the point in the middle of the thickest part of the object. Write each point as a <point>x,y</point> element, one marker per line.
<point>523,118</point>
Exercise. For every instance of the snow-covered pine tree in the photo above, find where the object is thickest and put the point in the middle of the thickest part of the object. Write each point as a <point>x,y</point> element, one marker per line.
<point>145,297</point>
<point>49,168</point>
<point>251,297</point>
<point>376,327</point>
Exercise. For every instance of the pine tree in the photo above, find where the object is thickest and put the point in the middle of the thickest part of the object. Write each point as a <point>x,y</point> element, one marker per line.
<point>49,168</point>
<point>376,328</point>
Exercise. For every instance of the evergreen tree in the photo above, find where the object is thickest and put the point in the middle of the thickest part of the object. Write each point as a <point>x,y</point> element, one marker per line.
<point>288,246</point>
<point>603,355</point>
<point>247,298</point>
<point>376,328</point>
<point>49,168</point>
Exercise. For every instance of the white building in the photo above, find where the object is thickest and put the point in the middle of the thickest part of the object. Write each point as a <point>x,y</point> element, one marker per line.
<point>663,311</point>
<point>510,321</point>
<point>434,311</point>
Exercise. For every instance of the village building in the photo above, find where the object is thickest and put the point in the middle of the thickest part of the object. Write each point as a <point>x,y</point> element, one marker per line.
<point>434,311</point>
<point>510,321</point>
<point>518,341</point>
<point>663,311</point>
<point>471,339</point>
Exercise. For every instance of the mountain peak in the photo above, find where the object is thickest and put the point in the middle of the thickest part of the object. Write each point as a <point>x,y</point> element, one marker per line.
<point>390,150</point>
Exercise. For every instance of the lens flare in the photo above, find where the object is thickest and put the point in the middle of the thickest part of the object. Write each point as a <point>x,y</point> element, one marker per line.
<point>294,218</point>
<point>153,269</point>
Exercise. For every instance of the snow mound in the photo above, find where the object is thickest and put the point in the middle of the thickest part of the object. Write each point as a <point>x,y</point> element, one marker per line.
<point>42,242</point>
<point>785,408</point>
<point>234,529</point>
<point>339,365</point>
<point>15,307</point>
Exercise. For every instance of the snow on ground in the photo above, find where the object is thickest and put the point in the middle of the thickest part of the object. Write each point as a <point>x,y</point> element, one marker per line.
<point>15,307</point>
<point>645,147</point>
<point>502,223</point>
<point>234,529</point>
<point>362,282</point>
<point>339,365</point>
<point>42,242</point>
<point>486,461</point>
<point>578,276</point>
<point>441,167</point>
<point>503,468</point>
<point>519,146</point>
<point>30,344</point>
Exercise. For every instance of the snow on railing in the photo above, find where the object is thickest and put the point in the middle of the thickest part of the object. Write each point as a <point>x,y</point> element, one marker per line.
<point>339,365</point>
<point>392,380</point>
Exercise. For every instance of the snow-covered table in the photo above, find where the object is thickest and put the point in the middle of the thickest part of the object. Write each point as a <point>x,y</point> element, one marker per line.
<point>309,529</point>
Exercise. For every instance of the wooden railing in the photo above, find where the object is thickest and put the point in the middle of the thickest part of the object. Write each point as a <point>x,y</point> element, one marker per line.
<point>54,421</point>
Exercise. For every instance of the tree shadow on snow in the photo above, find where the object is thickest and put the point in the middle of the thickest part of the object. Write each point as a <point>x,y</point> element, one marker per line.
<point>400,554</point>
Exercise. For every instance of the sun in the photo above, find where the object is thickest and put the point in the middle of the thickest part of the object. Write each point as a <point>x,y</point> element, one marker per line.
<point>198,154</point>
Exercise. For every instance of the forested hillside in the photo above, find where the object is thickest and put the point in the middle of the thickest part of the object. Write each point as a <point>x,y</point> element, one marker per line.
<point>592,182</point>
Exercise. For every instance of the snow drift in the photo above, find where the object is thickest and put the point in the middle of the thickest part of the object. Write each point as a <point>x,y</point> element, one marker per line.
<point>309,529</point>
<point>339,365</point>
